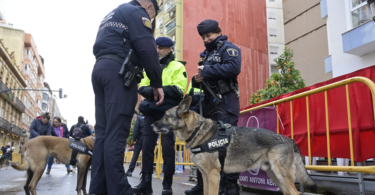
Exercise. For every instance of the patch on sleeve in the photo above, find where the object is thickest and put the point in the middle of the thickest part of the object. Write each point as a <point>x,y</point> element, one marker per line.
<point>146,22</point>
<point>185,74</point>
<point>232,52</point>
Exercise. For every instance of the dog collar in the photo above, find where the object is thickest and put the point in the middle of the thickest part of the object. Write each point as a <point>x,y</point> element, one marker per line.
<point>192,135</point>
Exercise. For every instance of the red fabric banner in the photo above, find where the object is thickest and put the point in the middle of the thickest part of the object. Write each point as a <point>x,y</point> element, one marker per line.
<point>362,119</point>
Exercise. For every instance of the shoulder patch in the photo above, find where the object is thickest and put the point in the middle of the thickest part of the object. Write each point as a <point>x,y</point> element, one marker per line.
<point>232,52</point>
<point>146,22</point>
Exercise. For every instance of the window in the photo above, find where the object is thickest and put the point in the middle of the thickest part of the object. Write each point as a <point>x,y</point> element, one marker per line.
<point>273,50</point>
<point>272,15</point>
<point>360,12</point>
<point>168,5</point>
<point>274,68</point>
<point>159,22</point>
<point>273,32</point>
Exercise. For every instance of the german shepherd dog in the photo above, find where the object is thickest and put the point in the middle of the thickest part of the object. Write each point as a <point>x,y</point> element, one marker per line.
<point>4,161</point>
<point>34,159</point>
<point>249,148</point>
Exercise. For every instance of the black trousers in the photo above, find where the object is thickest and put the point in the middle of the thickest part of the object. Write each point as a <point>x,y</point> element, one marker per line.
<point>149,143</point>
<point>114,108</point>
<point>136,151</point>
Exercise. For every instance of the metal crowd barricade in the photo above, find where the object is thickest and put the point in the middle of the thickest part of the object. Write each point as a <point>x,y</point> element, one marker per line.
<point>346,82</point>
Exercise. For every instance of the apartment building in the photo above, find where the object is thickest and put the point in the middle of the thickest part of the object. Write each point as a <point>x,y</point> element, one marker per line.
<point>275,32</point>
<point>306,34</point>
<point>351,35</point>
<point>11,106</point>
<point>244,22</point>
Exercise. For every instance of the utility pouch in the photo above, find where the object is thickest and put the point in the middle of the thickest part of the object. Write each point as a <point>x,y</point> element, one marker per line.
<point>223,87</point>
<point>234,87</point>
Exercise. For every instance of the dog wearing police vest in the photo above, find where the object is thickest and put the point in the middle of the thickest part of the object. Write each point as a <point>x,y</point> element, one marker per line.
<point>248,148</point>
<point>34,159</point>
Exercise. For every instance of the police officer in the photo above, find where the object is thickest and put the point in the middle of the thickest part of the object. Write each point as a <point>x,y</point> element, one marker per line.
<point>220,69</point>
<point>174,85</point>
<point>138,141</point>
<point>126,27</point>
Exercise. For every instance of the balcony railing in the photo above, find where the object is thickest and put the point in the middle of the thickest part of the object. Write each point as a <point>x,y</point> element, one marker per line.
<point>10,128</point>
<point>8,95</point>
<point>170,26</point>
<point>20,105</point>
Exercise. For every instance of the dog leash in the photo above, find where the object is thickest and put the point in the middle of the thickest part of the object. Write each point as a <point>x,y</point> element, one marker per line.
<point>200,95</point>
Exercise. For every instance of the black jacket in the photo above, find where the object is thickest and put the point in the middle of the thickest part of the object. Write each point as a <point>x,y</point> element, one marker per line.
<point>84,128</point>
<point>172,95</point>
<point>138,128</point>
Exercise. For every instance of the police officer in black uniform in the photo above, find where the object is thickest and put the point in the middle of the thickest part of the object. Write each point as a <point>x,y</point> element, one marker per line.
<point>220,69</point>
<point>126,27</point>
<point>138,141</point>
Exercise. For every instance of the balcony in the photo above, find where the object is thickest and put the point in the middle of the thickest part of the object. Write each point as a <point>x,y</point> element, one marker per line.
<point>170,6</point>
<point>360,40</point>
<point>6,95</point>
<point>10,128</point>
<point>19,105</point>
<point>170,27</point>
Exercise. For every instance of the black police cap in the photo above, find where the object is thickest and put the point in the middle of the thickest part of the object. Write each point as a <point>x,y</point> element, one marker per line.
<point>164,42</point>
<point>155,5</point>
<point>207,26</point>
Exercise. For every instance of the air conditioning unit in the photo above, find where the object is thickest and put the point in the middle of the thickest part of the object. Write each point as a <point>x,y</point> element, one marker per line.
<point>171,14</point>
<point>174,38</point>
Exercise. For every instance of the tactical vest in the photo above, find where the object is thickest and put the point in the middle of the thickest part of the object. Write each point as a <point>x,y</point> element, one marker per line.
<point>78,147</point>
<point>217,142</point>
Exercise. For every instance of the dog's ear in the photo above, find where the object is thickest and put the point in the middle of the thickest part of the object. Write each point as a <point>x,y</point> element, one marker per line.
<point>184,105</point>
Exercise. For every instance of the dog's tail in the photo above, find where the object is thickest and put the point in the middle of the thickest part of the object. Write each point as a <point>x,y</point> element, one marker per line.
<point>24,163</point>
<point>301,173</point>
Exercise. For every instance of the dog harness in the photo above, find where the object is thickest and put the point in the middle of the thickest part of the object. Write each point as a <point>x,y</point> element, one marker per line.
<point>217,142</point>
<point>78,147</point>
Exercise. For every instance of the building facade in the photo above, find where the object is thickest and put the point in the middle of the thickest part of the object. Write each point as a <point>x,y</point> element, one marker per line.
<point>306,34</point>
<point>244,22</point>
<point>275,32</point>
<point>33,71</point>
<point>31,66</point>
<point>11,106</point>
<point>351,35</point>
<point>47,99</point>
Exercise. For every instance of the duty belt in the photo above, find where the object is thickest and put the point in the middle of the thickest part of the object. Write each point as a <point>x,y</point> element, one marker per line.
<point>111,57</point>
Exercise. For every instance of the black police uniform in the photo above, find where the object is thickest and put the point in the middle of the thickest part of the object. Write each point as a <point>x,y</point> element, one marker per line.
<point>126,27</point>
<point>223,62</point>
<point>138,138</point>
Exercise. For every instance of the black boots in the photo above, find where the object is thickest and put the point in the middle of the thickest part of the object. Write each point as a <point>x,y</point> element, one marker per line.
<point>196,190</point>
<point>167,184</point>
<point>145,187</point>
<point>231,188</point>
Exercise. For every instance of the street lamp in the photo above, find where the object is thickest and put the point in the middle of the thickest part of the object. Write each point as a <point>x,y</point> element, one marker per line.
<point>371,4</point>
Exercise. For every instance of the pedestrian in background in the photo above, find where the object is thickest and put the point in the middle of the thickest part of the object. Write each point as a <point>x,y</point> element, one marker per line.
<point>138,141</point>
<point>58,129</point>
<point>40,126</point>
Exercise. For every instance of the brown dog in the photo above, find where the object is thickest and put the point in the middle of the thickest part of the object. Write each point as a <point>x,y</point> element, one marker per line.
<point>34,159</point>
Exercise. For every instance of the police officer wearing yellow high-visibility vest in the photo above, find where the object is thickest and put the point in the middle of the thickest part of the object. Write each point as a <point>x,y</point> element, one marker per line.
<point>174,78</point>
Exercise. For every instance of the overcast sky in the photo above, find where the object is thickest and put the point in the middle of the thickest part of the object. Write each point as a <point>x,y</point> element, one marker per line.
<point>64,32</point>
